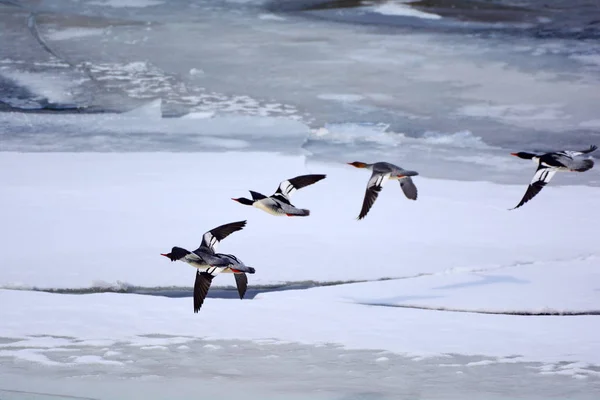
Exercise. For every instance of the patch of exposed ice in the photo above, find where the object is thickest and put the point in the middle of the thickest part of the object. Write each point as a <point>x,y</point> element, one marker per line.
<point>399,9</point>
<point>342,97</point>
<point>127,3</point>
<point>51,87</point>
<point>594,124</point>
<point>73,33</point>
<point>379,134</point>
<point>271,17</point>
<point>515,112</point>
<point>89,359</point>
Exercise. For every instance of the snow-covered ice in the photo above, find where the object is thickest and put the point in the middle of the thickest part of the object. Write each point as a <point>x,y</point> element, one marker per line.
<point>398,8</point>
<point>72,33</point>
<point>127,3</point>
<point>93,217</point>
<point>192,103</point>
<point>107,216</point>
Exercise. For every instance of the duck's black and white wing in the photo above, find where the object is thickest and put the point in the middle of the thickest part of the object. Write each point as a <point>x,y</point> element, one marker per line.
<point>241,281</point>
<point>408,187</point>
<point>257,196</point>
<point>286,188</point>
<point>201,286</point>
<point>576,153</point>
<point>211,239</point>
<point>373,188</point>
<point>542,176</point>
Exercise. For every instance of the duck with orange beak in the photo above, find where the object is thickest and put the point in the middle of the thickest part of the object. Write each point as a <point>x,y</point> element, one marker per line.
<point>383,171</point>
<point>209,263</point>
<point>549,164</point>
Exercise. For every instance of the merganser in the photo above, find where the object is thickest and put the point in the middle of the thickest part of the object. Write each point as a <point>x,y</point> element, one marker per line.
<point>279,203</point>
<point>382,171</point>
<point>551,163</point>
<point>210,264</point>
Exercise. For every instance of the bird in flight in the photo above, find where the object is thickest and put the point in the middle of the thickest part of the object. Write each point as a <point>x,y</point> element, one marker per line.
<point>209,263</point>
<point>383,171</point>
<point>279,203</point>
<point>549,164</point>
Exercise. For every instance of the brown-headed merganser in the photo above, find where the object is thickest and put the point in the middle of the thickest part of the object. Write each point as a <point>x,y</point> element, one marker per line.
<point>382,171</point>
<point>549,164</point>
<point>210,264</point>
<point>279,203</point>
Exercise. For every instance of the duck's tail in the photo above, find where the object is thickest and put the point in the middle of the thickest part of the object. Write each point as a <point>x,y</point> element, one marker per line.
<point>584,165</point>
<point>299,212</point>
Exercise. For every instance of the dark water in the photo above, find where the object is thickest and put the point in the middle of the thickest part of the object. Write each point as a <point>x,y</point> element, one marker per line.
<point>541,19</point>
<point>178,292</point>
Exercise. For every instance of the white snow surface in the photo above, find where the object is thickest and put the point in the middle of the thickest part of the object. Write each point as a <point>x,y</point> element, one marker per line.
<point>94,219</point>
<point>72,33</point>
<point>127,3</point>
<point>397,9</point>
<point>98,219</point>
<point>564,286</point>
<point>314,316</point>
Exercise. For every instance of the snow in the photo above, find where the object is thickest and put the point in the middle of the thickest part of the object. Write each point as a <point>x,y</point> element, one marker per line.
<point>313,316</point>
<point>102,219</point>
<point>93,360</point>
<point>527,288</point>
<point>380,134</point>
<point>520,113</point>
<point>98,219</point>
<point>270,17</point>
<point>594,123</point>
<point>393,8</point>
<point>461,265</point>
<point>342,97</point>
<point>127,3</point>
<point>72,33</point>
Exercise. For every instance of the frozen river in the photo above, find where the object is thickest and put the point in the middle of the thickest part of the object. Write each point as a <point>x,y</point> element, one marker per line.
<point>126,126</point>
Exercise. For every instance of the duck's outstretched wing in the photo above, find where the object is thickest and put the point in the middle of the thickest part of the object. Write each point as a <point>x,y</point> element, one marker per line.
<point>212,238</point>
<point>373,188</point>
<point>201,286</point>
<point>286,188</point>
<point>408,187</point>
<point>241,281</point>
<point>542,176</point>
<point>591,149</point>
<point>574,153</point>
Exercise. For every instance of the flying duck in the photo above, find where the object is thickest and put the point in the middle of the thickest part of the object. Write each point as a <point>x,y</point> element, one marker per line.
<point>209,263</point>
<point>279,203</point>
<point>382,171</point>
<point>550,163</point>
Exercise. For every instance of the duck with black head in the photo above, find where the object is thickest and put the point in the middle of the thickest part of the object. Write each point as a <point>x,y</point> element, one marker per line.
<point>209,263</point>
<point>549,164</point>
